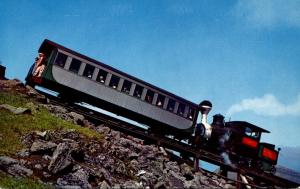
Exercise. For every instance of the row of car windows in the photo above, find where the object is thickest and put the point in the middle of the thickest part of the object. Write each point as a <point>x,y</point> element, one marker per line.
<point>126,87</point>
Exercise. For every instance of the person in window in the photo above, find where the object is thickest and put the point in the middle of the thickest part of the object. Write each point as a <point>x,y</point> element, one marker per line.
<point>137,94</point>
<point>191,113</point>
<point>180,111</point>
<point>148,99</point>
<point>60,63</point>
<point>159,103</point>
<point>40,65</point>
<point>126,90</point>
<point>89,75</point>
<point>101,78</point>
<point>35,64</point>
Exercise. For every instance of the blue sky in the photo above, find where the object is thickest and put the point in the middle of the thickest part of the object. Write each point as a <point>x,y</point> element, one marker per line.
<point>244,56</point>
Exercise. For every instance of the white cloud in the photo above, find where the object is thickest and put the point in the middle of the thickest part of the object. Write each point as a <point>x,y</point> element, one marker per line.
<point>268,105</point>
<point>268,13</point>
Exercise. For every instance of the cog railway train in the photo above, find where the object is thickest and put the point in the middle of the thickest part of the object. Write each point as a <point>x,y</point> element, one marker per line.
<point>78,78</point>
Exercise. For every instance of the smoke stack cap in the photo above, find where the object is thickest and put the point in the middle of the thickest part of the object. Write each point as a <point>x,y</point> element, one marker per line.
<point>205,104</point>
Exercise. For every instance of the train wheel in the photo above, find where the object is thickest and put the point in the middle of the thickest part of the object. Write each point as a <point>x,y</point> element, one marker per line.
<point>273,169</point>
<point>260,165</point>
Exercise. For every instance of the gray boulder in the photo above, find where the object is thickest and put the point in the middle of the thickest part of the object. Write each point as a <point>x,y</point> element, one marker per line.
<point>186,171</point>
<point>15,110</point>
<point>116,136</point>
<point>120,168</point>
<point>23,153</point>
<point>156,167</point>
<point>133,166</point>
<point>173,166</point>
<point>104,185</point>
<point>62,156</point>
<point>55,109</point>
<point>131,184</point>
<point>102,129</point>
<point>77,118</point>
<point>40,146</point>
<point>147,178</point>
<point>174,180</point>
<point>78,179</point>
<point>13,167</point>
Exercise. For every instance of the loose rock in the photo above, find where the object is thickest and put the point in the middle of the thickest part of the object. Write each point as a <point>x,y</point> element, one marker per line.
<point>61,157</point>
<point>13,167</point>
<point>79,178</point>
<point>15,110</point>
<point>42,146</point>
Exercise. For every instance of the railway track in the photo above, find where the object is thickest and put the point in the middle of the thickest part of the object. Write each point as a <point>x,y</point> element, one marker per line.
<point>261,179</point>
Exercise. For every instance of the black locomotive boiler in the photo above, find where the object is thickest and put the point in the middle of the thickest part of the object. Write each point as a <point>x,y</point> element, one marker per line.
<point>78,78</point>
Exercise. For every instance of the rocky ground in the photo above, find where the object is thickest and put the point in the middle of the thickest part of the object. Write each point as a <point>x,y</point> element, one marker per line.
<point>68,159</point>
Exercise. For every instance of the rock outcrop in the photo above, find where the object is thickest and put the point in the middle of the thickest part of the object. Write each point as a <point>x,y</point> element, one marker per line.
<point>68,159</point>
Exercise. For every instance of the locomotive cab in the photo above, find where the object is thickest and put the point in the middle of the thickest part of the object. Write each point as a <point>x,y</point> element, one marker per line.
<point>245,137</point>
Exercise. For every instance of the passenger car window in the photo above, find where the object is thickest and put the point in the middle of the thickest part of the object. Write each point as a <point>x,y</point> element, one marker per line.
<point>75,65</point>
<point>61,60</point>
<point>114,81</point>
<point>101,76</point>
<point>149,96</point>
<point>126,86</point>
<point>88,71</point>
<point>160,100</point>
<point>191,113</point>
<point>171,105</point>
<point>181,108</point>
<point>138,91</point>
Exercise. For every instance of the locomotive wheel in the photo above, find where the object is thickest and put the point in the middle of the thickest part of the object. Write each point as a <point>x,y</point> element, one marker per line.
<point>260,165</point>
<point>273,169</point>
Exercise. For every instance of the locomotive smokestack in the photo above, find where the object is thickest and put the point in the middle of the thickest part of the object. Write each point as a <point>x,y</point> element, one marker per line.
<point>205,107</point>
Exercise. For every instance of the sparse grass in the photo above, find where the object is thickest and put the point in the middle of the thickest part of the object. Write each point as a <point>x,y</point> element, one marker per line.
<point>8,182</point>
<point>13,98</point>
<point>12,127</point>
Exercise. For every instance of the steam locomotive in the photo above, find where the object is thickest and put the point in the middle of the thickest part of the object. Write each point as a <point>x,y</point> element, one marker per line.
<point>78,78</point>
<point>236,141</point>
